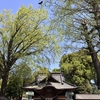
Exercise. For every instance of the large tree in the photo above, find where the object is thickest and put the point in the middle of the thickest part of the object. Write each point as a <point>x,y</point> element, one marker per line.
<point>78,69</point>
<point>79,21</point>
<point>21,35</point>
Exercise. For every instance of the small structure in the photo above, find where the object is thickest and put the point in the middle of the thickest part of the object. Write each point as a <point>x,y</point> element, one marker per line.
<point>53,87</point>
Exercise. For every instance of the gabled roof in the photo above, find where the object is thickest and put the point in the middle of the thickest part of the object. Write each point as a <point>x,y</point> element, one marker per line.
<point>41,77</point>
<point>53,76</point>
<point>55,80</point>
<point>51,79</point>
<point>55,85</point>
<point>58,76</point>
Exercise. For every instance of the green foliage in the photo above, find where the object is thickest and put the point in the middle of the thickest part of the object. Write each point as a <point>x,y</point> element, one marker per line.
<point>78,69</point>
<point>22,35</point>
<point>79,22</point>
<point>23,71</point>
<point>85,87</point>
<point>14,87</point>
<point>56,70</point>
<point>41,70</point>
<point>18,77</point>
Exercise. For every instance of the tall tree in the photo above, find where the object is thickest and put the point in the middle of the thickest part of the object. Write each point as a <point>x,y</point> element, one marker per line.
<point>79,21</point>
<point>21,35</point>
<point>78,69</point>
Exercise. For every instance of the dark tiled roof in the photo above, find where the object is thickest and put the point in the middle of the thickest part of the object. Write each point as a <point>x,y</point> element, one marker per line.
<point>55,76</point>
<point>55,80</point>
<point>53,84</point>
<point>87,97</point>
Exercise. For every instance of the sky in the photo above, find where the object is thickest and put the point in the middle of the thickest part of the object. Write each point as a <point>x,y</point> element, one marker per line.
<point>14,6</point>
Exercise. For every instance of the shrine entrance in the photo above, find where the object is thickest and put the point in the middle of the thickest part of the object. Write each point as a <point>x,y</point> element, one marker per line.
<point>52,88</point>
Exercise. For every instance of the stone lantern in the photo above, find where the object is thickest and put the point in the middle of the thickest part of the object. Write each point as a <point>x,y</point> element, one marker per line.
<point>69,95</point>
<point>29,95</point>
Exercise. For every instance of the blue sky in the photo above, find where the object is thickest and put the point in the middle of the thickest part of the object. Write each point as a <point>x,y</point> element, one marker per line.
<point>14,5</point>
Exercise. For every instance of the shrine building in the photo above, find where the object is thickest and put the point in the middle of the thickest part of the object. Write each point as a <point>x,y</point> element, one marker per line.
<point>54,87</point>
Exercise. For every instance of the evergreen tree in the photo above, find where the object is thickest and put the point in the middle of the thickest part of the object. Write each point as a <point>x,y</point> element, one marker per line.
<point>78,69</point>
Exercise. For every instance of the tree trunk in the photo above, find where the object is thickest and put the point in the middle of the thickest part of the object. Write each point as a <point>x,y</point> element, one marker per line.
<point>97,67</point>
<point>92,52</point>
<point>95,61</point>
<point>4,84</point>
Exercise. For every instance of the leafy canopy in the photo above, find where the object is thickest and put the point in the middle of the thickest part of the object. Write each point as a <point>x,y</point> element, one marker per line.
<point>24,35</point>
<point>78,69</point>
<point>79,22</point>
